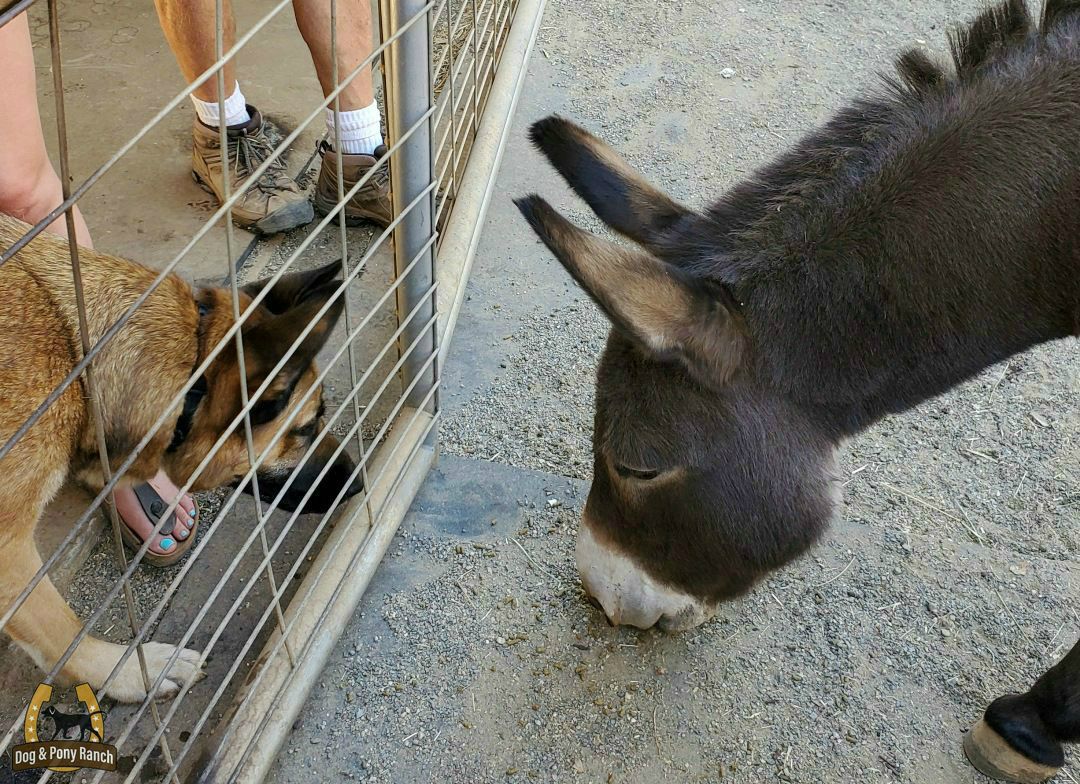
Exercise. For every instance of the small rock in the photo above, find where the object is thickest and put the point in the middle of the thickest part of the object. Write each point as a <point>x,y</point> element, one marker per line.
<point>727,73</point>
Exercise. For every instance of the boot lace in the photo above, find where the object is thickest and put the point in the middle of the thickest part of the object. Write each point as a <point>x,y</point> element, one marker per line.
<point>251,152</point>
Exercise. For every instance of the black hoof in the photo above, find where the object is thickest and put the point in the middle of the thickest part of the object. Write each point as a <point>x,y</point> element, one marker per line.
<point>1012,743</point>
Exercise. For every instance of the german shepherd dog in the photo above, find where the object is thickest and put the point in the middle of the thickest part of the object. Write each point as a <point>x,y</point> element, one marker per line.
<point>137,375</point>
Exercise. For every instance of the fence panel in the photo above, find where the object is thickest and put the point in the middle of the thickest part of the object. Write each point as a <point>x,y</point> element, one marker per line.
<point>264,592</point>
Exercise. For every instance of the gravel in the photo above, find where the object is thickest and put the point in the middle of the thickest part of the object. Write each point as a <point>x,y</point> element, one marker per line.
<point>538,413</point>
<point>949,578</point>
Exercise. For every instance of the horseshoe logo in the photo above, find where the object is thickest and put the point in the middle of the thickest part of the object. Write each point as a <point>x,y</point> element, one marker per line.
<point>42,694</point>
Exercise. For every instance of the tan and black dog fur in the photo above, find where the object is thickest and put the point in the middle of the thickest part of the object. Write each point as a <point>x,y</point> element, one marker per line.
<point>137,375</point>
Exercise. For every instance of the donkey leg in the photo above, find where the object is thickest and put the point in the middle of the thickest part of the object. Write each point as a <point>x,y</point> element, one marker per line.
<point>1019,737</point>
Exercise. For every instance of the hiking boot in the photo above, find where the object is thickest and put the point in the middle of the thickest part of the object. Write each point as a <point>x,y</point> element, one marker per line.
<point>371,202</point>
<point>273,202</point>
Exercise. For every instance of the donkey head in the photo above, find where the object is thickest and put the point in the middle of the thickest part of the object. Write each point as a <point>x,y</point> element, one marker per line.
<point>704,479</point>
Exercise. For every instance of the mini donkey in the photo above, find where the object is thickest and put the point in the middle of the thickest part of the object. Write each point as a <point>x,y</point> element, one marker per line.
<point>922,235</point>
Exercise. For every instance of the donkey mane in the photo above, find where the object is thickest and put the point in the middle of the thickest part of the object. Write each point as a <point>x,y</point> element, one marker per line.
<point>864,136</point>
<point>919,236</point>
<point>860,137</point>
<point>926,232</point>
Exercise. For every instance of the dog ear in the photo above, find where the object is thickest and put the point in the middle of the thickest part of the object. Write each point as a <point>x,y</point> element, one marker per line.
<point>267,342</point>
<point>664,309</point>
<point>294,288</point>
<point>618,195</point>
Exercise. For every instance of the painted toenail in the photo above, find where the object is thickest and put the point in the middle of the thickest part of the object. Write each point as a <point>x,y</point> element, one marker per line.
<point>182,533</point>
<point>167,543</point>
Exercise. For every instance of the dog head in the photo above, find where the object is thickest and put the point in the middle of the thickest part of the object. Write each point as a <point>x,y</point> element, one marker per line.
<point>303,467</point>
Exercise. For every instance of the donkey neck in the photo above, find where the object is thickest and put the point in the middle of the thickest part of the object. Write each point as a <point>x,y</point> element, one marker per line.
<point>879,328</point>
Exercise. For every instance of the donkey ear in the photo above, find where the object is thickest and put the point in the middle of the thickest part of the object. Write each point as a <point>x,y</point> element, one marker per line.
<point>664,309</point>
<point>293,288</point>
<point>616,193</point>
<point>267,342</point>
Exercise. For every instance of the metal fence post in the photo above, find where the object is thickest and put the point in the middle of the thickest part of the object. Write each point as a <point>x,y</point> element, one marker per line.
<point>409,97</point>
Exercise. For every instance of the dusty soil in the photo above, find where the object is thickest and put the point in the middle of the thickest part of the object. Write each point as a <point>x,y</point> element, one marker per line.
<point>951,575</point>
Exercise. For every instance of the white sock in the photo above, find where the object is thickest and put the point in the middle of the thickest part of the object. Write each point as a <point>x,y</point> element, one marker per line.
<point>360,130</point>
<point>235,109</point>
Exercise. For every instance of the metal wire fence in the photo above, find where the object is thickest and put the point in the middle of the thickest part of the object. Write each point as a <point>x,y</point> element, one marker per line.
<point>266,592</point>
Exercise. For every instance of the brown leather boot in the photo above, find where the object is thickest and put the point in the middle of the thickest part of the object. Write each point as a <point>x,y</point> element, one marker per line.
<point>273,202</point>
<point>370,203</point>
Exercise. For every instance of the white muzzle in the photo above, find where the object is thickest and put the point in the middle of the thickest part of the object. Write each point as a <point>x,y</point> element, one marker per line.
<point>628,594</point>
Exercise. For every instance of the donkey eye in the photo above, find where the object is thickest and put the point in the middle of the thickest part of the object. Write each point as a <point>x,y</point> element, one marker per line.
<point>644,474</point>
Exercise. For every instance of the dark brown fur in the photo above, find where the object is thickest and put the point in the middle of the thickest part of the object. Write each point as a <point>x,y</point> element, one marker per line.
<point>137,375</point>
<point>923,234</point>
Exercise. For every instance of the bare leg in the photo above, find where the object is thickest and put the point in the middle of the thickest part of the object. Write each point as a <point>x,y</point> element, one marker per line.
<point>362,146</point>
<point>278,204</point>
<point>189,27</point>
<point>354,44</point>
<point>29,186</point>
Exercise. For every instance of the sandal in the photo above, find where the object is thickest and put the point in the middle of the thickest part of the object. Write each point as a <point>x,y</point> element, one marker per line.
<point>176,537</point>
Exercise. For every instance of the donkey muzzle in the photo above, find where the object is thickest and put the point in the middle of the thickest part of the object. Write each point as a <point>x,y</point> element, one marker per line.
<point>627,594</point>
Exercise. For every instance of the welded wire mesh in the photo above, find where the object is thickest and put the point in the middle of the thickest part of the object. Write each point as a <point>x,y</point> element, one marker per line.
<point>468,42</point>
<point>258,581</point>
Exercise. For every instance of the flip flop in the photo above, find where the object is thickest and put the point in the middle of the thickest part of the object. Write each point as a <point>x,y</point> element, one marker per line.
<point>153,506</point>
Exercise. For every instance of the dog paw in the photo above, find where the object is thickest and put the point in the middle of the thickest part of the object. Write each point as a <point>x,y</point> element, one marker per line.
<point>128,685</point>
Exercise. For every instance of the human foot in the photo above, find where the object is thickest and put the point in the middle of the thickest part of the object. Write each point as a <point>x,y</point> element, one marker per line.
<point>271,203</point>
<point>141,507</point>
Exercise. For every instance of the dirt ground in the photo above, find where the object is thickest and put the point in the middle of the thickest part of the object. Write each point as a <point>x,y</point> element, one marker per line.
<point>951,575</point>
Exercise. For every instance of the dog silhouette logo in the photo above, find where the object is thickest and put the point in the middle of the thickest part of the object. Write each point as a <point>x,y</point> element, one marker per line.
<point>76,740</point>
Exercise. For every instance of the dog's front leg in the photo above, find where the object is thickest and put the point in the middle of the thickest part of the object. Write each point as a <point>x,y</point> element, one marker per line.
<point>45,625</point>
